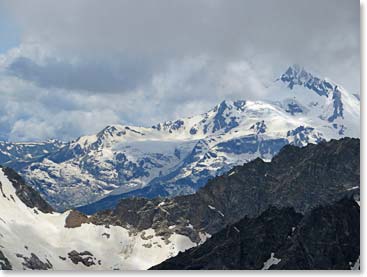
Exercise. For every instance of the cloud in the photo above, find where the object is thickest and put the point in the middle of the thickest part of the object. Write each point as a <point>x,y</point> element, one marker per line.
<point>84,64</point>
<point>88,76</point>
<point>33,113</point>
<point>311,33</point>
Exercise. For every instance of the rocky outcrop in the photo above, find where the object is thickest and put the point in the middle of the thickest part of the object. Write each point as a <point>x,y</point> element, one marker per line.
<point>34,263</point>
<point>302,178</point>
<point>85,257</point>
<point>4,262</point>
<point>75,219</point>
<point>325,238</point>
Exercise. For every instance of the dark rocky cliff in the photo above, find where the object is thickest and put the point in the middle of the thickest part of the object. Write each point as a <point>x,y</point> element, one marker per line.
<point>327,237</point>
<point>28,195</point>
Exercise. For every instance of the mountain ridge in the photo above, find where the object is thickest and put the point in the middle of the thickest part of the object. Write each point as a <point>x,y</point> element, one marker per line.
<point>280,239</point>
<point>178,157</point>
<point>302,178</point>
<point>140,233</point>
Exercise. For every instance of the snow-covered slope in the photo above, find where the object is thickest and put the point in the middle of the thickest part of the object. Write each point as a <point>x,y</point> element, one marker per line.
<point>32,239</point>
<point>178,157</point>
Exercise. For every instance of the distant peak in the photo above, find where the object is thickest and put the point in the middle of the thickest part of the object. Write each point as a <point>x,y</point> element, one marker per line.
<point>295,68</point>
<point>108,130</point>
<point>296,75</point>
<point>226,104</point>
<point>296,71</point>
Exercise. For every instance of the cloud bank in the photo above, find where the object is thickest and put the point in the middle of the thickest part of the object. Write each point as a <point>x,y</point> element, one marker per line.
<point>84,64</point>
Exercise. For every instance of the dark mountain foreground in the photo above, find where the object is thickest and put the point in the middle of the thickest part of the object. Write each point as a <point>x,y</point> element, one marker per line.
<point>327,237</point>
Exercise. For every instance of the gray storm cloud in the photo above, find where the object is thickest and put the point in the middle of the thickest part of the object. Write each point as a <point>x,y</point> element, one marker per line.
<point>88,76</point>
<point>188,54</point>
<point>315,33</point>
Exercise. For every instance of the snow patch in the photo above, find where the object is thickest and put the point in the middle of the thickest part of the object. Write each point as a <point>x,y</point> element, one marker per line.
<point>271,261</point>
<point>356,265</point>
<point>353,188</point>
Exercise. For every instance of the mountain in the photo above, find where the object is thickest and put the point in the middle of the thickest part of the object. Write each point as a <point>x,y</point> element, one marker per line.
<point>326,238</point>
<point>178,157</point>
<point>302,178</point>
<point>268,198</point>
<point>33,236</point>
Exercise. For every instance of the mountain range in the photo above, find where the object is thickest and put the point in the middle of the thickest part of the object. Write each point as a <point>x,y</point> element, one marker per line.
<point>298,211</point>
<point>178,157</point>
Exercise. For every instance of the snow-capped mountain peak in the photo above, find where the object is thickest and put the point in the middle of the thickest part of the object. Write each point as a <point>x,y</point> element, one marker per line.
<point>311,94</point>
<point>296,75</point>
<point>179,156</point>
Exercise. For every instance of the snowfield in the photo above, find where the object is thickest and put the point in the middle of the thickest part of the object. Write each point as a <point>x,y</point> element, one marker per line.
<point>25,231</point>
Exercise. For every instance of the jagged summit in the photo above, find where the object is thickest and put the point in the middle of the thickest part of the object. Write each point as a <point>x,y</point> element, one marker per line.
<point>297,75</point>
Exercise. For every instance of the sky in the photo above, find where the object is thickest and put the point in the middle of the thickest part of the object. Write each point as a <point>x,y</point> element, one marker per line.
<point>69,68</point>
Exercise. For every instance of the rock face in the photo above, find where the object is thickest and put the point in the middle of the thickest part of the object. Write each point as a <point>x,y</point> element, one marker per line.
<point>85,257</point>
<point>75,219</point>
<point>324,238</point>
<point>4,262</point>
<point>327,238</point>
<point>27,194</point>
<point>302,178</point>
<point>34,263</point>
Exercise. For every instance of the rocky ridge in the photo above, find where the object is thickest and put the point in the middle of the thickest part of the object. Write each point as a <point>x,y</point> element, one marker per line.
<point>325,238</point>
<point>302,178</point>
